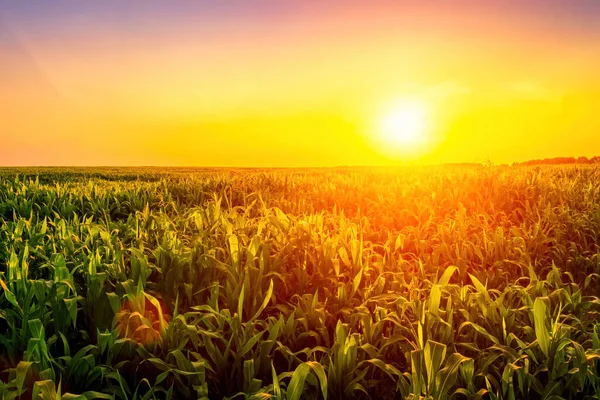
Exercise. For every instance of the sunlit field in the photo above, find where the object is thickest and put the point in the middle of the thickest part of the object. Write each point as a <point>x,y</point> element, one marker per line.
<point>449,282</point>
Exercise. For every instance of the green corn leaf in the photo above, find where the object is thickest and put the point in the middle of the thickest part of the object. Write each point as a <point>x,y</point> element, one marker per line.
<point>234,250</point>
<point>276,386</point>
<point>445,278</point>
<point>21,374</point>
<point>301,373</point>
<point>296,385</point>
<point>10,296</point>
<point>435,296</point>
<point>45,390</point>
<point>448,376</point>
<point>541,330</point>
<point>418,372</point>
<point>434,354</point>
<point>264,303</point>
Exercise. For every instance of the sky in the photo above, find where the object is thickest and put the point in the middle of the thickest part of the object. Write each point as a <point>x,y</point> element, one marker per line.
<point>271,83</point>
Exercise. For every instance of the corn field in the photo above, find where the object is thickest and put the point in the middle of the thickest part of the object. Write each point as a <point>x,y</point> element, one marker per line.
<point>365,283</point>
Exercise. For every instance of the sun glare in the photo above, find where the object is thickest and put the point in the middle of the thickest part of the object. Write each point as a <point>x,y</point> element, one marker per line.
<point>403,129</point>
<point>404,126</point>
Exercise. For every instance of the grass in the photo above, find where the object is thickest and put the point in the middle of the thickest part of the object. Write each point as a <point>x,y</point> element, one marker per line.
<point>461,282</point>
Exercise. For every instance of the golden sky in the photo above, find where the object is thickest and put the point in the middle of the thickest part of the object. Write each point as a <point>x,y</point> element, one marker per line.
<point>273,83</point>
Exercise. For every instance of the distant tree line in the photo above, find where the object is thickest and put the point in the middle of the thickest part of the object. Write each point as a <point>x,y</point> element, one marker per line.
<point>564,160</point>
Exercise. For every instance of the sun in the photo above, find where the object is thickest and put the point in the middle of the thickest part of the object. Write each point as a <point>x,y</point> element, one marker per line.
<point>403,130</point>
<point>405,125</point>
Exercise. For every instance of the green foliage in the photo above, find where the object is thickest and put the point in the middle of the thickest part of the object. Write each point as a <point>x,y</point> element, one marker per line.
<point>476,283</point>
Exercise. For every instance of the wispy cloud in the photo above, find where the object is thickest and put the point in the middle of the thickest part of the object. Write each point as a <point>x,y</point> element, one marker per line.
<point>531,90</point>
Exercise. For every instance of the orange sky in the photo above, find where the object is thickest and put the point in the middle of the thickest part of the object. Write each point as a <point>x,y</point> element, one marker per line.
<point>271,83</point>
